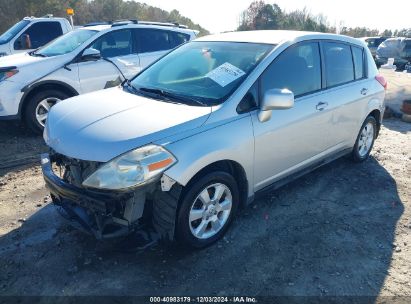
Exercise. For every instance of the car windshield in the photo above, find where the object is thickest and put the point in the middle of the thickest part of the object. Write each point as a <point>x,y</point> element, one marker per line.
<point>13,31</point>
<point>204,72</point>
<point>66,43</point>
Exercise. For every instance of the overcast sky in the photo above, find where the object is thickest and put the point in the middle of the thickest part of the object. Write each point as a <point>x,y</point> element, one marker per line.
<point>223,15</point>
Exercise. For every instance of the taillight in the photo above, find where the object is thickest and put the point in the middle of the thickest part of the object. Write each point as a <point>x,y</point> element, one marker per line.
<point>382,81</point>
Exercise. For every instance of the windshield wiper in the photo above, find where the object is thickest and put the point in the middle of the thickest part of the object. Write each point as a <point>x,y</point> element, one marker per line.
<point>127,83</point>
<point>129,86</point>
<point>169,95</point>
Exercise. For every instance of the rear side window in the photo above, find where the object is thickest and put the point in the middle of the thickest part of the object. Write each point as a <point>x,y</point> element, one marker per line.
<point>339,68</point>
<point>371,42</point>
<point>358,56</point>
<point>374,42</point>
<point>41,33</point>
<point>151,40</point>
<point>298,69</point>
<point>379,41</point>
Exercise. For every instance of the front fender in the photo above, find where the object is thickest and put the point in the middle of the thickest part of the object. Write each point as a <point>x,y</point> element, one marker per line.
<point>231,141</point>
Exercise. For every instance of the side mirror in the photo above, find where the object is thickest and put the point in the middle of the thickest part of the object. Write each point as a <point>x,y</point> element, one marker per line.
<point>275,99</point>
<point>91,55</point>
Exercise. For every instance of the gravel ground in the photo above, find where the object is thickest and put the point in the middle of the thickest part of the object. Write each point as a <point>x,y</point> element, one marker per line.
<point>343,229</point>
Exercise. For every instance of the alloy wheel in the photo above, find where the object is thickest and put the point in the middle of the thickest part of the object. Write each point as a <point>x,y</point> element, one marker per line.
<point>366,139</point>
<point>210,211</point>
<point>43,108</point>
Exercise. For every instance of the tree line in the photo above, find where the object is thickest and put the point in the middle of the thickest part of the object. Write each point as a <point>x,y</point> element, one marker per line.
<point>258,16</point>
<point>87,11</point>
<point>262,16</point>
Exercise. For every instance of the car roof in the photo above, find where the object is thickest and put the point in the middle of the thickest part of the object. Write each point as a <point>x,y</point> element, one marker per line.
<point>395,38</point>
<point>102,27</point>
<point>375,37</point>
<point>274,36</point>
<point>45,18</point>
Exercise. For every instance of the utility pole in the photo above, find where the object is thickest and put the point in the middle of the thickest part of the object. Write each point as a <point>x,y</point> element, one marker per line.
<point>70,12</point>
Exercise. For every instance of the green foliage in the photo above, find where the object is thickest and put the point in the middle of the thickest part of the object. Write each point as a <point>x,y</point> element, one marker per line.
<point>359,32</point>
<point>87,11</point>
<point>262,16</point>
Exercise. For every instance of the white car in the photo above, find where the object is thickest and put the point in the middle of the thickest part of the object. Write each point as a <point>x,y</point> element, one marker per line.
<point>84,60</point>
<point>32,33</point>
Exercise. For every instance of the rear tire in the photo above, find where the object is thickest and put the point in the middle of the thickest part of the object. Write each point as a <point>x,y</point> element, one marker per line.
<point>36,111</point>
<point>365,140</point>
<point>207,209</point>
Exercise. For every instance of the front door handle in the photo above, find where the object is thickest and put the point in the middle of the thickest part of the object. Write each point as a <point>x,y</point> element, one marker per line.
<point>321,105</point>
<point>364,91</point>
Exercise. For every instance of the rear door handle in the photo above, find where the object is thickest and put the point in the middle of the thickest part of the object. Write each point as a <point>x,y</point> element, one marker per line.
<point>364,91</point>
<point>321,105</point>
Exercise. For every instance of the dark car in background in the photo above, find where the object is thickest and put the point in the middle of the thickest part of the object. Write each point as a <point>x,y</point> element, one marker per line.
<point>373,43</point>
<point>398,48</point>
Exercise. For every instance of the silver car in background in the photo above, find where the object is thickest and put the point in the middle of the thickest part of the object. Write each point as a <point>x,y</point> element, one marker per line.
<point>180,147</point>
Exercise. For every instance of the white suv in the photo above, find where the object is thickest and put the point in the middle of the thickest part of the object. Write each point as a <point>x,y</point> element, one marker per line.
<point>84,60</point>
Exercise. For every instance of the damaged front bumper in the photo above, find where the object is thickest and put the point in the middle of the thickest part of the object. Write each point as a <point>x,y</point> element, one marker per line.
<point>104,214</point>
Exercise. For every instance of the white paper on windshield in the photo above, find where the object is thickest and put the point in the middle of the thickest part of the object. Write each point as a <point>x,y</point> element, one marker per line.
<point>225,74</point>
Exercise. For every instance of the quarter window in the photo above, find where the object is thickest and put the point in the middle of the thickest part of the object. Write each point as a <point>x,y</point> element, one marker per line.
<point>298,69</point>
<point>339,67</point>
<point>358,56</point>
<point>177,38</point>
<point>113,44</point>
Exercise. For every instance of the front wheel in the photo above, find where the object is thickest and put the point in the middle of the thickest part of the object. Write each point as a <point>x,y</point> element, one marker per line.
<point>207,209</point>
<point>38,107</point>
<point>365,140</point>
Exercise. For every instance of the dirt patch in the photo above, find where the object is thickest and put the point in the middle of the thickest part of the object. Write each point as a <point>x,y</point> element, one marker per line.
<point>18,146</point>
<point>343,229</point>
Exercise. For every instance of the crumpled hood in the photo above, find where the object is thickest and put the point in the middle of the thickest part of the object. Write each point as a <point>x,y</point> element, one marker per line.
<point>102,125</point>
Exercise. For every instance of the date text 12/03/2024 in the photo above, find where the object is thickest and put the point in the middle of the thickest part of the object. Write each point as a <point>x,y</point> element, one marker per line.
<point>203,300</point>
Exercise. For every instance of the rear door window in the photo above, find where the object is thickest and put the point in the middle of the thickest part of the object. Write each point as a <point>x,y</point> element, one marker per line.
<point>114,44</point>
<point>339,68</point>
<point>298,69</point>
<point>152,40</point>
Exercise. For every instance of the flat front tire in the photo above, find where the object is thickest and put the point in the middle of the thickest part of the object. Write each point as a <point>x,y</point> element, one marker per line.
<point>207,209</point>
<point>365,140</point>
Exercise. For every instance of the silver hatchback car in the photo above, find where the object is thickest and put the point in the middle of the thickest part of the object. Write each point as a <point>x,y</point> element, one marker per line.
<point>176,150</point>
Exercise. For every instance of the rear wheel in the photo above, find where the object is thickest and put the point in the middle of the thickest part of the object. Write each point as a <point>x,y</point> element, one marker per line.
<point>365,140</point>
<point>38,107</point>
<point>207,209</point>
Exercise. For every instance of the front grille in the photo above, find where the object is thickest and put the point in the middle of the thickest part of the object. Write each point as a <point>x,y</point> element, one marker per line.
<point>75,171</point>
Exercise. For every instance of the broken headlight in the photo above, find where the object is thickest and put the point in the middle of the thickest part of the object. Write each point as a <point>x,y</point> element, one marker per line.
<point>131,169</point>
